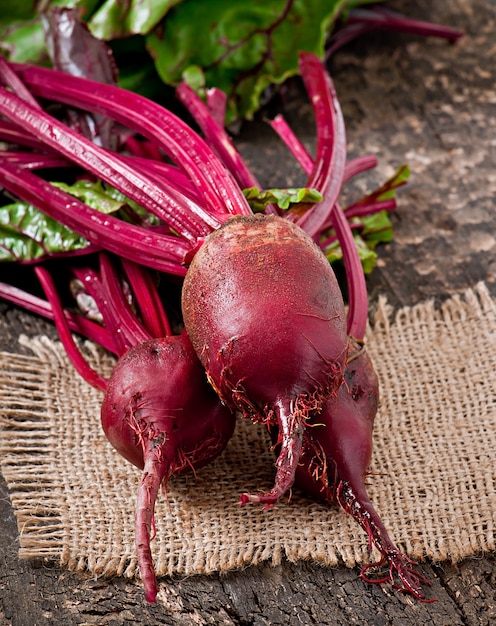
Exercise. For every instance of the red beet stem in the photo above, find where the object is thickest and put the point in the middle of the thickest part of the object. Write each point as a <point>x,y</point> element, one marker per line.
<point>162,252</point>
<point>77,323</point>
<point>61,323</point>
<point>217,138</point>
<point>184,216</point>
<point>297,149</point>
<point>10,79</point>
<point>151,120</point>
<point>147,299</point>
<point>329,163</point>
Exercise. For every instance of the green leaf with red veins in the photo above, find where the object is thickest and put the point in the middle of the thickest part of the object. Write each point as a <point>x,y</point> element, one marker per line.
<point>377,228</point>
<point>368,257</point>
<point>243,47</point>
<point>27,234</point>
<point>105,198</point>
<point>109,200</point>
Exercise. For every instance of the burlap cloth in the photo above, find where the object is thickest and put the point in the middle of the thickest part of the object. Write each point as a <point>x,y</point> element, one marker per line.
<point>434,461</point>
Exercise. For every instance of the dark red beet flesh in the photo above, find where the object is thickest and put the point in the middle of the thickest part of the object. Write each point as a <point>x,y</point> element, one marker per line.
<point>160,413</point>
<point>265,315</point>
<point>335,459</point>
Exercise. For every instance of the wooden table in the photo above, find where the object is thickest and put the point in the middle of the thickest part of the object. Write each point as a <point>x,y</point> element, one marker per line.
<point>406,99</point>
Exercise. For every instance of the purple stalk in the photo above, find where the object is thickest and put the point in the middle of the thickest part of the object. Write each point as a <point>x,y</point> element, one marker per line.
<point>361,21</point>
<point>106,289</point>
<point>147,299</point>
<point>363,209</point>
<point>94,287</point>
<point>359,209</point>
<point>219,141</point>
<point>367,205</point>
<point>297,149</point>
<point>285,132</point>
<point>329,163</point>
<point>10,79</point>
<point>91,330</point>
<point>355,278</point>
<point>216,103</point>
<point>91,281</point>
<point>34,161</point>
<point>332,238</point>
<point>330,128</point>
<point>119,318</point>
<point>11,133</point>
<point>176,138</point>
<point>145,149</point>
<point>186,218</point>
<point>352,168</point>
<point>345,34</point>
<point>378,199</point>
<point>217,137</point>
<point>358,166</point>
<point>161,252</point>
<point>79,362</point>
<point>382,17</point>
<point>170,175</point>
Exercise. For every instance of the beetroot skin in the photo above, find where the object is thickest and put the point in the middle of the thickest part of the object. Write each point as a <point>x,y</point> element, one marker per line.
<point>160,413</point>
<point>265,314</point>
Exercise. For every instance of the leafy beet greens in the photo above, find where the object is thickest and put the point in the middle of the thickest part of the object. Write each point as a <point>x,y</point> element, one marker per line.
<point>245,48</point>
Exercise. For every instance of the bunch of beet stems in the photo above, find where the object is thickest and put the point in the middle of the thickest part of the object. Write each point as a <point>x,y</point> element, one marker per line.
<point>193,197</point>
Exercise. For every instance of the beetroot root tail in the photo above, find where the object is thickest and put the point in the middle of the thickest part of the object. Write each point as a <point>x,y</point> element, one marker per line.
<point>291,428</point>
<point>401,574</point>
<point>399,569</point>
<point>154,471</point>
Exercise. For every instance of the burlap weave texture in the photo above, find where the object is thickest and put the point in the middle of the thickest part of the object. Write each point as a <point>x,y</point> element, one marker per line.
<point>434,463</point>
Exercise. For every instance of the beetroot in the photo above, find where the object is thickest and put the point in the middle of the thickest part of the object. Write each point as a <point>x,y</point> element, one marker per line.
<point>335,459</point>
<point>160,413</point>
<point>265,314</point>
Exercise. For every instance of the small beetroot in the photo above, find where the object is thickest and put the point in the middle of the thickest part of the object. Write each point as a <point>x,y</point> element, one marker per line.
<point>160,413</point>
<point>335,460</point>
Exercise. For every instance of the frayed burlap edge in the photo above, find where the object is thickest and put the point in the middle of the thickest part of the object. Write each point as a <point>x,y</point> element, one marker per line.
<point>433,471</point>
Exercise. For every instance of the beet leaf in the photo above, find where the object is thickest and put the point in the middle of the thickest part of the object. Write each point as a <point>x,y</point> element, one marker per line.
<point>288,198</point>
<point>27,234</point>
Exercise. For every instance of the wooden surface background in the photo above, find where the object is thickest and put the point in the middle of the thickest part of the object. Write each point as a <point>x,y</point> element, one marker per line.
<point>405,99</point>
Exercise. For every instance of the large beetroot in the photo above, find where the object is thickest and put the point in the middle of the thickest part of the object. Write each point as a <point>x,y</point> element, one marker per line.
<point>265,315</point>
